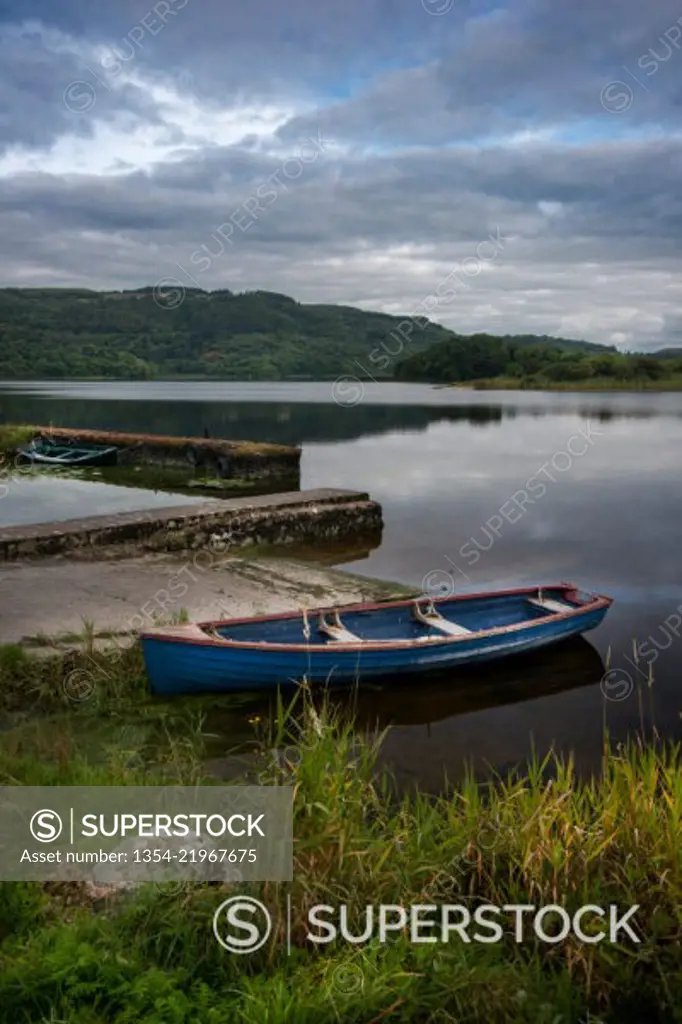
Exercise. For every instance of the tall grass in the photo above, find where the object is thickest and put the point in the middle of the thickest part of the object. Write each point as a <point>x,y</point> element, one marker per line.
<point>541,837</point>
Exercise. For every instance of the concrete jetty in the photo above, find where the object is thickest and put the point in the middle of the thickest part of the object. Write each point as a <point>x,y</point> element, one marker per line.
<point>313,516</point>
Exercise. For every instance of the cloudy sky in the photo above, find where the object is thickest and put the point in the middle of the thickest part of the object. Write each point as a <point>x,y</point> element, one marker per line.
<point>517,163</point>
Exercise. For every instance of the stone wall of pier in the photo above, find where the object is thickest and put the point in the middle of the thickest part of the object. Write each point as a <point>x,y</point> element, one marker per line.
<point>299,517</point>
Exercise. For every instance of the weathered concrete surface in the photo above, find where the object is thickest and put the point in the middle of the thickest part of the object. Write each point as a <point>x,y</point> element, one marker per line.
<point>271,519</point>
<point>53,598</point>
<point>222,458</point>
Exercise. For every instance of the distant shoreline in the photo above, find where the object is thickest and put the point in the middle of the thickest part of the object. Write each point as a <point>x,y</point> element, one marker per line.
<point>610,386</point>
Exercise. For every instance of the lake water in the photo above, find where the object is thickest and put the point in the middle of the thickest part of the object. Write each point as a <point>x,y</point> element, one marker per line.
<point>35,495</point>
<point>480,490</point>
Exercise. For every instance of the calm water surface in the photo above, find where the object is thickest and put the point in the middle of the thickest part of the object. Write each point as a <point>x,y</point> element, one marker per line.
<point>601,475</point>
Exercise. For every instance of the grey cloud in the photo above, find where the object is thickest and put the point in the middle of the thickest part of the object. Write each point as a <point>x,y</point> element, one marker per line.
<point>48,93</point>
<point>418,198</point>
<point>471,71</point>
<point>259,45</point>
<point>533,65</point>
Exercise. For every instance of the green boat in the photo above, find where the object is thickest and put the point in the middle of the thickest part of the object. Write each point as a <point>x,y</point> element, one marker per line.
<point>51,454</point>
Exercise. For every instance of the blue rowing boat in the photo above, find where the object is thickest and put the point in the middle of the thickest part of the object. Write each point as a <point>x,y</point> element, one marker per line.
<point>46,452</point>
<point>365,641</point>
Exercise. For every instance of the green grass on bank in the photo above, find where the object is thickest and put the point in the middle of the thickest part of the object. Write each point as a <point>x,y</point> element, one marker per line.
<point>81,678</point>
<point>13,436</point>
<point>541,837</point>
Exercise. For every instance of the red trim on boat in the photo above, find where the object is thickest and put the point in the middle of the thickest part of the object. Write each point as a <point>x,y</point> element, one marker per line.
<point>569,591</point>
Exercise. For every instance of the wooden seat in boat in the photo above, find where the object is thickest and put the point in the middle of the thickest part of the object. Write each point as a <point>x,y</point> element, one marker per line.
<point>433,618</point>
<point>337,631</point>
<point>548,604</point>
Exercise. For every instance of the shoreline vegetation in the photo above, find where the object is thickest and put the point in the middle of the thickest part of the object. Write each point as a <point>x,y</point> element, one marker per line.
<point>486,362</point>
<point>590,384</point>
<point>538,836</point>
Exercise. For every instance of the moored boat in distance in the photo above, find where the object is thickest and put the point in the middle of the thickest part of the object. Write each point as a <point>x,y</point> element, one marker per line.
<point>365,641</point>
<point>48,453</point>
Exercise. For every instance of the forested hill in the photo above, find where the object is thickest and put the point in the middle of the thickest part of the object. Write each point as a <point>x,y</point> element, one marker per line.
<point>54,333</point>
<point>137,334</point>
<point>534,362</point>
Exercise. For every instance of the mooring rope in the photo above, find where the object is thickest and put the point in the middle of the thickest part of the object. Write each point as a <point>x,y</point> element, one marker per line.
<point>306,624</point>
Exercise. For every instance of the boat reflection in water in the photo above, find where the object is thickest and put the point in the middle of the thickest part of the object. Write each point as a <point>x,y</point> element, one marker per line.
<point>488,717</point>
<point>432,698</point>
